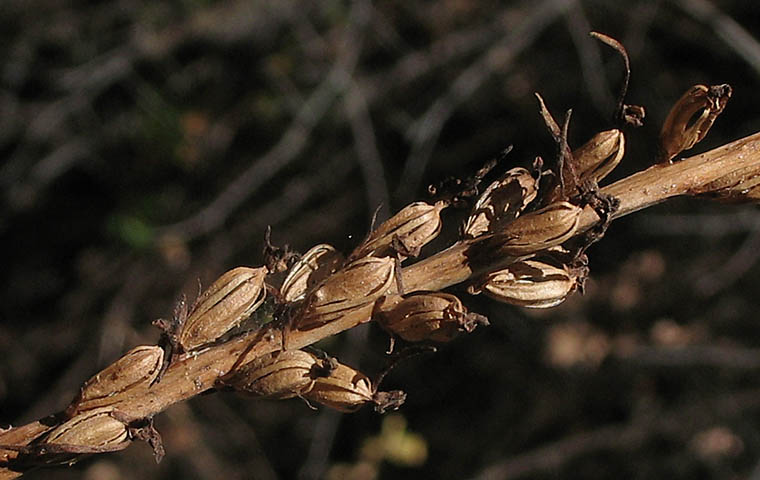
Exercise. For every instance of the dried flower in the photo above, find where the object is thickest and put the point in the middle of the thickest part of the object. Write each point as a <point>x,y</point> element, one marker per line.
<point>404,233</point>
<point>600,155</point>
<point>227,302</point>
<point>531,283</point>
<point>279,375</point>
<point>139,366</point>
<point>356,287</point>
<point>315,265</point>
<point>501,202</point>
<point>539,230</point>
<point>429,316</point>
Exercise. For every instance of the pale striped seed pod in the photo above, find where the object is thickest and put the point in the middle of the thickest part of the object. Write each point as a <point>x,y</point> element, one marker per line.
<point>429,316</point>
<point>93,430</point>
<point>279,375</point>
<point>501,202</point>
<point>411,228</point>
<point>347,390</point>
<point>539,230</point>
<point>599,156</point>
<point>227,302</point>
<point>354,288</point>
<point>315,265</point>
<point>138,367</point>
<point>530,283</point>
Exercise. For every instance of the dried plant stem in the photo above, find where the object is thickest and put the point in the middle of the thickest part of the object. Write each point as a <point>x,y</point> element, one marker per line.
<point>194,373</point>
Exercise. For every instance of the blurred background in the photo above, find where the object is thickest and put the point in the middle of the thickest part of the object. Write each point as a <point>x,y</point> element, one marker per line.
<point>145,146</point>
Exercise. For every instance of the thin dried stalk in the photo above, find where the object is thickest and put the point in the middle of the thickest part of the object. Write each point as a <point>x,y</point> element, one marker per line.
<point>193,373</point>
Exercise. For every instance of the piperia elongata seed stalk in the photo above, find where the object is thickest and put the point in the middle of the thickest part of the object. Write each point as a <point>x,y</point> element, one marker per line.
<point>95,430</point>
<point>347,390</point>
<point>539,230</point>
<point>310,270</point>
<point>139,366</point>
<point>600,155</point>
<point>278,375</point>
<point>429,316</point>
<point>501,202</point>
<point>351,290</point>
<point>227,302</point>
<point>531,283</point>
<point>404,233</point>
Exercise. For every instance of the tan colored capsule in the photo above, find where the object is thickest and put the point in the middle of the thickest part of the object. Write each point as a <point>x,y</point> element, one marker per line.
<point>347,390</point>
<point>279,375</point>
<point>599,156</point>
<point>539,230</point>
<point>356,287</point>
<point>315,265</point>
<point>139,366</point>
<point>691,118</point>
<point>530,283</point>
<point>501,202</point>
<point>404,233</point>
<point>227,302</point>
<point>96,430</point>
<point>429,316</point>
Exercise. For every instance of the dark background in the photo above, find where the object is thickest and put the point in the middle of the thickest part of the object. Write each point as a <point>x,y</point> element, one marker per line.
<point>147,145</point>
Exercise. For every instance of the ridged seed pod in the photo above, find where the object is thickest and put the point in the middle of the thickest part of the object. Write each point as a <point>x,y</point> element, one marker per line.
<point>501,202</point>
<point>139,366</point>
<point>94,430</point>
<point>278,375</point>
<point>429,316</point>
<point>411,228</point>
<point>356,287</point>
<point>347,390</point>
<point>227,302</point>
<point>539,230</point>
<point>315,265</point>
<point>530,283</point>
<point>600,155</point>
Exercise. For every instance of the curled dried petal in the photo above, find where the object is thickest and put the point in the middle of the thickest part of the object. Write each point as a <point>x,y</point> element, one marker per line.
<point>227,302</point>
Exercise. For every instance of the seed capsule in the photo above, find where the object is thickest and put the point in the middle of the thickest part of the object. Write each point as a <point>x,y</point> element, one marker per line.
<point>691,118</point>
<point>501,202</point>
<point>346,389</point>
<point>95,429</point>
<point>139,366</point>
<point>531,283</point>
<point>356,287</point>
<point>278,375</point>
<point>600,155</point>
<point>539,230</point>
<point>315,265</point>
<point>404,233</point>
<point>227,302</point>
<point>430,316</point>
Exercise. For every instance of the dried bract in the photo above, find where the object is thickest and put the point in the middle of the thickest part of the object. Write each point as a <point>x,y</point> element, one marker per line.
<point>279,375</point>
<point>346,389</point>
<point>691,118</point>
<point>94,430</point>
<point>531,283</point>
<point>356,287</point>
<point>429,316</point>
<point>404,233</point>
<point>227,302</point>
<point>501,202</point>
<point>539,230</point>
<point>313,267</point>
<point>600,155</point>
<point>139,366</point>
